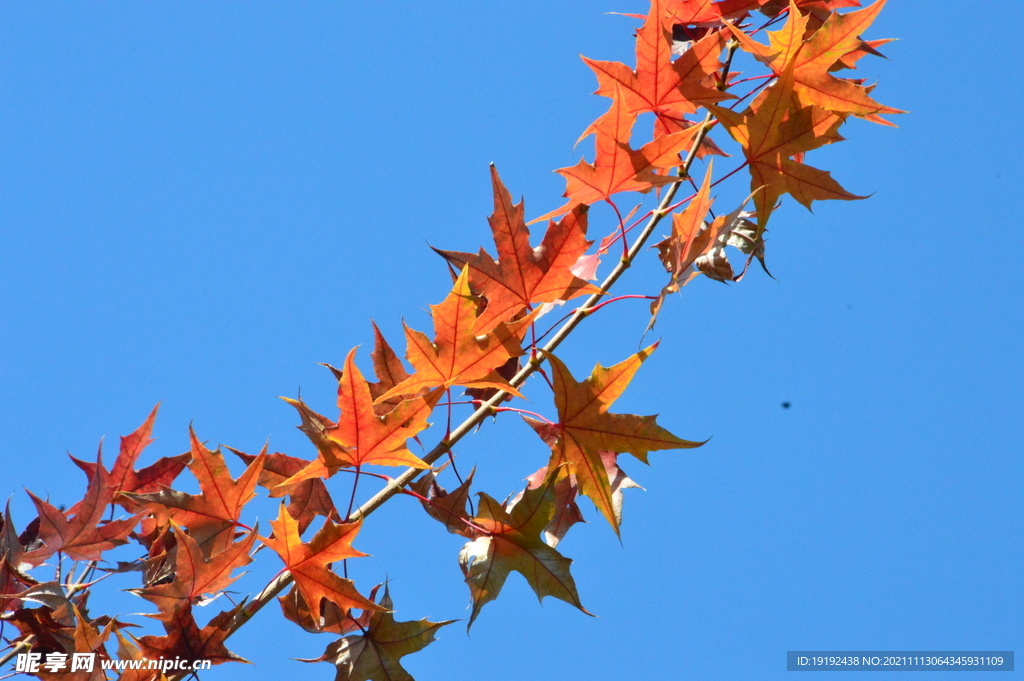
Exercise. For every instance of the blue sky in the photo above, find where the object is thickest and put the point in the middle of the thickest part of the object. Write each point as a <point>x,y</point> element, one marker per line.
<point>200,202</point>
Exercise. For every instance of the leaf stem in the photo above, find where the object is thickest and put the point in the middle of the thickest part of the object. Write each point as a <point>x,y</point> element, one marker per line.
<point>524,411</point>
<point>622,227</point>
<point>352,498</point>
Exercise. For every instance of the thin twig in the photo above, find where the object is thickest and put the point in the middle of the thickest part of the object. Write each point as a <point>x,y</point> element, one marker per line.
<point>24,644</point>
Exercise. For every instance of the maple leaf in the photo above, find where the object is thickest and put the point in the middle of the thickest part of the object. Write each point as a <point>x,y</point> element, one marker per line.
<point>685,244</point>
<point>388,369</point>
<point>375,654</point>
<point>317,428</point>
<point>585,428</point>
<point>124,477</point>
<point>306,500</point>
<point>360,437</point>
<point>185,640</point>
<point>448,508</point>
<point>507,371</point>
<point>87,637</point>
<point>212,515</point>
<point>62,629</point>
<point>816,9</point>
<point>772,132</point>
<point>367,438</point>
<point>128,650</point>
<point>49,632</point>
<point>84,536</point>
<point>811,60</point>
<point>850,59</point>
<point>308,562</point>
<point>458,355</point>
<point>707,12</point>
<point>13,580</point>
<point>195,575</point>
<point>567,512</point>
<point>330,618</point>
<point>513,542</point>
<point>617,167</point>
<point>659,85</point>
<point>524,276</point>
<point>695,247</point>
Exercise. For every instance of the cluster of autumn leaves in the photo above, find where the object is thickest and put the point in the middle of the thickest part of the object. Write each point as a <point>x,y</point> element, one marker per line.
<point>192,545</point>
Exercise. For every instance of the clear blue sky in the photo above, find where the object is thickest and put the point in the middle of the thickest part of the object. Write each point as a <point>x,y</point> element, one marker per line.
<point>199,202</point>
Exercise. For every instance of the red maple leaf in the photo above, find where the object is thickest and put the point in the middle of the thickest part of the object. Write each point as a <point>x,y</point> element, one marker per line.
<point>524,276</point>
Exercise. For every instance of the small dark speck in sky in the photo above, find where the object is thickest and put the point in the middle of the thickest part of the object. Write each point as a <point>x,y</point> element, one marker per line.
<point>785,405</point>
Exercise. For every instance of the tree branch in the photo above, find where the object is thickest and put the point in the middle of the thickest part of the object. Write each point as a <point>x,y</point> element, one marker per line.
<point>393,487</point>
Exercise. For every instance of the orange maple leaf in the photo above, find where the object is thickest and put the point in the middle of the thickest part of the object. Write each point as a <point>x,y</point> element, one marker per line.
<point>360,437</point>
<point>513,542</point>
<point>330,619</point>
<point>212,515</point>
<point>308,562</point>
<point>585,428</point>
<point>127,649</point>
<point>524,276</point>
<point>372,439</point>
<point>812,59</point>
<point>688,240</point>
<point>660,85</point>
<point>388,369</point>
<point>83,536</point>
<point>124,477</point>
<point>817,10</point>
<point>458,355</point>
<point>617,167</point>
<point>307,500</point>
<point>772,132</point>
<point>195,575</point>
